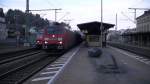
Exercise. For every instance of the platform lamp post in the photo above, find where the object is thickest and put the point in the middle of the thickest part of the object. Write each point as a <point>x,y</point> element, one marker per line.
<point>101,25</point>
<point>27,25</point>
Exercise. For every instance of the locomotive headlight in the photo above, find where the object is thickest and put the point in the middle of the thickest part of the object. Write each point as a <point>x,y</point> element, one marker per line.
<point>53,35</point>
<point>60,42</point>
<point>46,42</point>
<point>46,38</point>
<point>60,39</point>
<point>38,41</point>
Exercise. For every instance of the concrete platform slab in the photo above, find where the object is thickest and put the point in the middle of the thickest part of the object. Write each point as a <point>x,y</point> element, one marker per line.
<point>84,69</point>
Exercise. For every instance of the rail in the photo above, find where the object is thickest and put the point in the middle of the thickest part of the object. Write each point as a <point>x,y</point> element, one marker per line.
<point>17,69</point>
<point>134,49</point>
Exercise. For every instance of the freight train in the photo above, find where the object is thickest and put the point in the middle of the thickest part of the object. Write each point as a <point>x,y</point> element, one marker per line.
<point>58,37</point>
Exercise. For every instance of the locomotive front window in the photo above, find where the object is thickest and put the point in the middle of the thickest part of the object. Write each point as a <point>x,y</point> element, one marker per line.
<point>54,31</point>
<point>40,33</point>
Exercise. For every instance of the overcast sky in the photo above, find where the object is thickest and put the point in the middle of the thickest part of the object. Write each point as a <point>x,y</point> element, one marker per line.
<point>81,11</point>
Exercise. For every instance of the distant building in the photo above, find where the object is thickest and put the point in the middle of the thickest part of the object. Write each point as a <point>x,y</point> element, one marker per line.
<point>141,34</point>
<point>3,30</point>
<point>114,36</point>
<point>143,22</point>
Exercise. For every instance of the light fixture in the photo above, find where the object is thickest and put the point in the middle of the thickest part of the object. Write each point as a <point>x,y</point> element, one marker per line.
<point>60,42</point>
<point>53,35</point>
<point>46,42</point>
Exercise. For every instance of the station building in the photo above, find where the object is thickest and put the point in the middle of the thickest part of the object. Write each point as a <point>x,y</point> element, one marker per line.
<point>141,34</point>
<point>93,33</point>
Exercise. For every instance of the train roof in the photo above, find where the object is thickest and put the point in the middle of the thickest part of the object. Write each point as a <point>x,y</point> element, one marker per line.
<point>94,27</point>
<point>60,25</point>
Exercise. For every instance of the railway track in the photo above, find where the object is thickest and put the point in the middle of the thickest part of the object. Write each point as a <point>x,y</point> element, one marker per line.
<point>15,70</point>
<point>134,49</point>
<point>8,55</point>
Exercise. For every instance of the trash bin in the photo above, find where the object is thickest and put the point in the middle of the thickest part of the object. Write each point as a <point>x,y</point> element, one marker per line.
<point>94,52</point>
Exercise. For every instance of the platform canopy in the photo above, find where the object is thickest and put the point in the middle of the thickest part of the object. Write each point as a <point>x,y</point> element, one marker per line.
<point>94,27</point>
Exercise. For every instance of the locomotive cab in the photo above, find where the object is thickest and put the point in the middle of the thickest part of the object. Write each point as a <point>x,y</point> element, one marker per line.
<point>54,38</point>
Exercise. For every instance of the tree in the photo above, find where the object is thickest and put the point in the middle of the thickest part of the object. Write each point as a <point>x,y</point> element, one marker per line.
<point>15,20</point>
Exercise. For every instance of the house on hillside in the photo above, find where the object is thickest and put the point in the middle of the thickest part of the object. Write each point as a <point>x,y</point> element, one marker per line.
<point>3,30</point>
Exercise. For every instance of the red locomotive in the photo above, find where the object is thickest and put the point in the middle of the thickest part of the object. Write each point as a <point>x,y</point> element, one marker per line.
<point>57,37</point>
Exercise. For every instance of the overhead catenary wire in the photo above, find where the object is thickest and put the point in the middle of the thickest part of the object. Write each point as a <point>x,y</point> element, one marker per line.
<point>50,4</point>
<point>54,5</point>
<point>2,4</point>
<point>64,16</point>
<point>135,12</point>
<point>128,17</point>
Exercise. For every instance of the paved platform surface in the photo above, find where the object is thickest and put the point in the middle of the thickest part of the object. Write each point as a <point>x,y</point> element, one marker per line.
<point>84,69</point>
<point>115,66</point>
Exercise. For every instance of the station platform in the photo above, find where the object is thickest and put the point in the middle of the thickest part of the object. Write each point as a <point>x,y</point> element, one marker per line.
<point>84,69</point>
<point>77,67</point>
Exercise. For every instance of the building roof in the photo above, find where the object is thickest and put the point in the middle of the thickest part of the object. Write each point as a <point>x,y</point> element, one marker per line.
<point>94,27</point>
<point>1,13</point>
<point>146,13</point>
